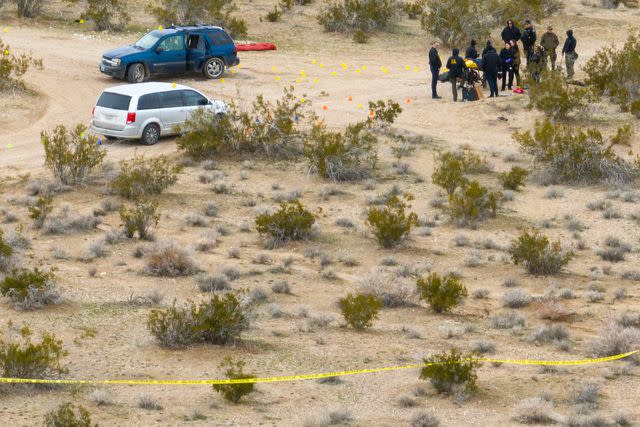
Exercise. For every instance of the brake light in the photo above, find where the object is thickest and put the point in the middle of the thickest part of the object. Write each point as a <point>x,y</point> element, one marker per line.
<point>93,111</point>
<point>131,118</point>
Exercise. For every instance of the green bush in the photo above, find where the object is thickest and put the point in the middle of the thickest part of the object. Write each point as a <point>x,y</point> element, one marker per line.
<point>65,416</point>
<point>568,154</point>
<point>456,21</point>
<point>616,73</point>
<point>29,8</point>
<point>13,67</point>
<point>413,10</point>
<point>40,210</point>
<point>441,293</point>
<point>140,218</point>
<point>390,224</point>
<point>360,37</point>
<point>384,112</point>
<point>291,222</point>
<point>538,255</point>
<point>555,98</point>
<point>535,10</point>
<point>71,155</point>
<point>24,358</point>
<point>6,250</point>
<point>623,136</point>
<point>360,310</point>
<point>366,15</point>
<point>274,15</point>
<point>347,156</point>
<point>188,12</point>
<point>449,173</point>
<point>28,289</point>
<point>219,321</point>
<point>141,177</point>
<point>234,371</point>
<point>514,179</point>
<point>269,129</point>
<point>473,202</point>
<point>446,370</point>
<point>107,15</point>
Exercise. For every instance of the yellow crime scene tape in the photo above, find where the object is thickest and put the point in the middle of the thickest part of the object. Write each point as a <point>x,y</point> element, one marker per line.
<point>289,378</point>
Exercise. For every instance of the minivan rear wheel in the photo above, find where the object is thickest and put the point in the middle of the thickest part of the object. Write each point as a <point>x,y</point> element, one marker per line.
<point>135,73</point>
<point>213,68</point>
<point>150,134</point>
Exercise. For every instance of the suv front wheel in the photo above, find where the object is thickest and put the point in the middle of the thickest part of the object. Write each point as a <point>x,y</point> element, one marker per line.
<point>213,68</point>
<point>150,134</point>
<point>135,73</point>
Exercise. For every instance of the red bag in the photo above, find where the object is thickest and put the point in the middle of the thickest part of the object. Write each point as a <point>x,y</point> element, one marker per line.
<point>255,47</point>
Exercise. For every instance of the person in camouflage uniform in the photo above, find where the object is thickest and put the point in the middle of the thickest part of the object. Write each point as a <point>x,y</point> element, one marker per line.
<point>550,43</point>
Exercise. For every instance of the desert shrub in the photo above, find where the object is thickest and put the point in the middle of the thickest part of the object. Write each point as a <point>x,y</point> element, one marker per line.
<point>65,416</point>
<point>538,255</point>
<point>446,370</point>
<point>266,128</point>
<point>274,15</point>
<point>384,112</point>
<point>613,4</point>
<point>516,298</point>
<point>456,21</point>
<point>450,173</point>
<point>536,410</point>
<point>360,310</point>
<point>391,292</point>
<point>141,177</point>
<point>29,8</point>
<point>234,371</point>
<point>442,293</point>
<point>535,10</point>
<point>616,73</point>
<point>140,218</point>
<point>422,419</point>
<point>365,15</point>
<point>65,221</point>
<point>342,156</point>
<point>71,155</point>
<point>39,211</point>
<point>555,98</point>
<point>508,320</point>
<point>390,224</point>
<point>473,202</point>
<point>169,260</point>
<point>550,333</point>
<point>413,9</point>
<point>28,289</point>
<point>615,339</point>
<point>6,251</point>
<point>569,155</point>
<point>13,67</point>
<point>107,15</point>
<point>514,179</point>
<point>360,37</point>
<point>623,136</point>
<point>23,358</point>
<point>216,12</point>
<point>219,320</point>
<point>291,222</point>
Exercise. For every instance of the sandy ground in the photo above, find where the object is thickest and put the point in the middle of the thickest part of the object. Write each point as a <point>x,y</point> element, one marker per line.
<point>122,347</point>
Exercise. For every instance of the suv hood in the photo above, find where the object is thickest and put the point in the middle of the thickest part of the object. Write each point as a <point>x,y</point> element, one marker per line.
<point>121,51</point>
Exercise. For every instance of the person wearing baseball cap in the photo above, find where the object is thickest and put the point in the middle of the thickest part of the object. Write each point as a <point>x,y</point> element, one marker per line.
<point>550,43</point>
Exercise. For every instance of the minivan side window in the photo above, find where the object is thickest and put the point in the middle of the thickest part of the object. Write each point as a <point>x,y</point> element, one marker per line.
<point>170,99</point>
<point>114,101</point>
<point>193,99</point>
<point>149,101</point>
<point>219,38</point>
<point>172,43</point>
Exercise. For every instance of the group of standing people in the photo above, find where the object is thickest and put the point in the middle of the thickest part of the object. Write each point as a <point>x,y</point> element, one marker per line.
<point>506,64</point>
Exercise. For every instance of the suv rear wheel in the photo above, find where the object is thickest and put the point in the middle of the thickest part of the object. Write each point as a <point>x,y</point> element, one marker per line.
<point>135,73</point>
<point>213,68</point>
<point>150,134</point>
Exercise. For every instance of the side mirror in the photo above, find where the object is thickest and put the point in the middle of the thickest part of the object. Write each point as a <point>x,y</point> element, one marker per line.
<point>159,50</point>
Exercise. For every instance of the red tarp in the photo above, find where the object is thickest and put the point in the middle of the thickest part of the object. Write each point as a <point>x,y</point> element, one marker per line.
<point>255,46</point>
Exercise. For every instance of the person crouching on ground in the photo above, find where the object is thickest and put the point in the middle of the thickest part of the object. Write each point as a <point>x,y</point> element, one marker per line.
<point>456,67</point>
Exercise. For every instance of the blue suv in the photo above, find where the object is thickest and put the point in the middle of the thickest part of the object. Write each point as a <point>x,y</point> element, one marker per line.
<point>175,50</point>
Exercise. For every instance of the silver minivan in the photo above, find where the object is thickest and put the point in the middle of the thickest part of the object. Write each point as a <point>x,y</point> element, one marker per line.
<point>147,111</point>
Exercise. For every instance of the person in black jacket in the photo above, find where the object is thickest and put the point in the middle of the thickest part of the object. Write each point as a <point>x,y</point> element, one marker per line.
<point>456,67</point>
<point>435,63</point>
<point>511,32</point>
<point>488,47</point>
<point>506,63</point>
<point>569,53</point>
<point>491,66</point>
<point>471,52</point>
<point>529,38</point>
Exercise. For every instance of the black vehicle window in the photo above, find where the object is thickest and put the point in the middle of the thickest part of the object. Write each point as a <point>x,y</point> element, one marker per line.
<point>149,102</point>
<point>115,101</point>
<point>219,38</point>
<point>172,43</point>
<point>170,99</point>
<point>194,41</point>
<point>193,98</point>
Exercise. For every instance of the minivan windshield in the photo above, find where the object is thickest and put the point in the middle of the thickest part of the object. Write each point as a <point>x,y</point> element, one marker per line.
<point>147,41</point>
<point>114,101</point>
